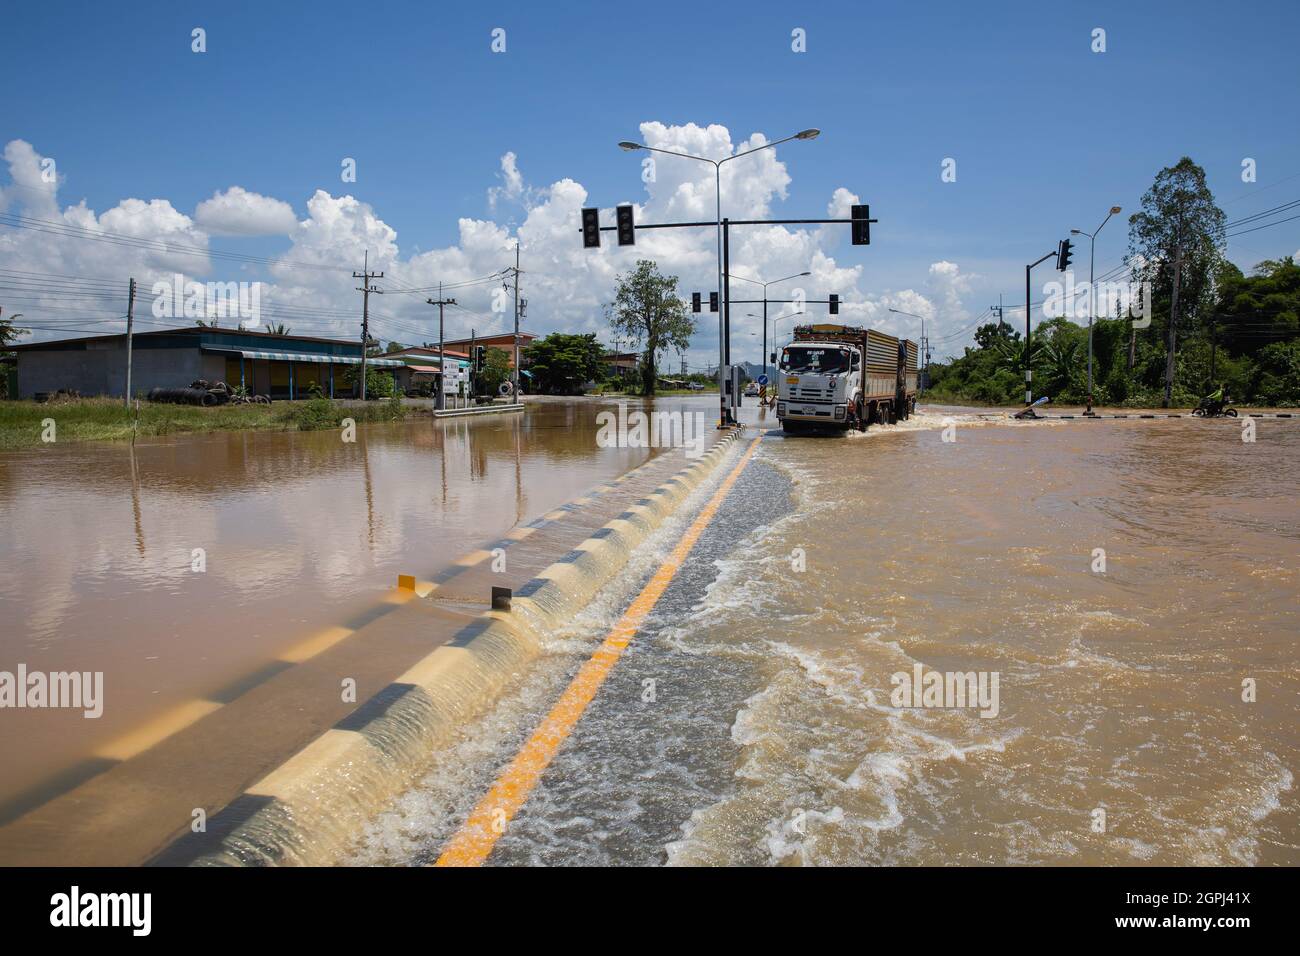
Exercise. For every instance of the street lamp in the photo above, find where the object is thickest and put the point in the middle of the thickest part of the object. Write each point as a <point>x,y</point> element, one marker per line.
<point>1092,292</point>
<point>765,285</point>
<point>789,315</point>
<point>925,358</point>
<point>717,179</point>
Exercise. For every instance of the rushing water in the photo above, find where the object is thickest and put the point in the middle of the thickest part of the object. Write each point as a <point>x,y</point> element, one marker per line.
<point>297,530</point>
<point>771,738</point>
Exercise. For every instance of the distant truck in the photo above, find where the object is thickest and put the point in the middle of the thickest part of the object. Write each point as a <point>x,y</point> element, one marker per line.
<point>841,376</point>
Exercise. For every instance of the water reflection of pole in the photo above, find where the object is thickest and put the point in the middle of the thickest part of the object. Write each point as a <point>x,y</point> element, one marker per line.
<point>442,459</point>
<point>370,493</point>
<point>135,503</point>
<point>519,485</point>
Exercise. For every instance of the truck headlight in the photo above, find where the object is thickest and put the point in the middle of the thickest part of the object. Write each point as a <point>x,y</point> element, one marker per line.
<point>780,409</point>
<point>839,411</point>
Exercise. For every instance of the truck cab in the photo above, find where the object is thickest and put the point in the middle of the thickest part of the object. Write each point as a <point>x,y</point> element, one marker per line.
<point>819,382</point>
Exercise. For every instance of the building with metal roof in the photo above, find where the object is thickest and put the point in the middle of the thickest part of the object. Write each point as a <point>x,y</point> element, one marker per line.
<point>281,366</point>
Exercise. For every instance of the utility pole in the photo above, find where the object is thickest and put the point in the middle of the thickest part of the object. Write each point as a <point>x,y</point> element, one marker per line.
<point>130,316</point>
<point>365,275</point>
<point>997,309</point>
<point>1214,341</point>
<point>1172,336</point>
<point>1132,339</point>
<point>441,401</point>
<point>515,371</point>
<point>924,377</point>
<point>474,370</point>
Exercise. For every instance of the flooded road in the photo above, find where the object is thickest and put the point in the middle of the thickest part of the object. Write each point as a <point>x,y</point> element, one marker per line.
<point>751,720</point>
<point>182,566</point>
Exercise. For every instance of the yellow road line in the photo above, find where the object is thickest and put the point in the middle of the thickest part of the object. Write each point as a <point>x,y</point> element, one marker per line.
<point>480,832</point>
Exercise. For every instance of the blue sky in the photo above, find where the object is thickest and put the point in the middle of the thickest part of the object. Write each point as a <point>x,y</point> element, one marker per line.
<point>1046,134</point>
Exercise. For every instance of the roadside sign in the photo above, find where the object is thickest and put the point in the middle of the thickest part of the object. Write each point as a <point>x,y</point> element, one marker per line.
<point>762,380</point>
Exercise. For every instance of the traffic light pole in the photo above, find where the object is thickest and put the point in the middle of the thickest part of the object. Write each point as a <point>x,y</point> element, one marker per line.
<point>1029,374</point>
<point>861,236</point>
<point>727,418</point>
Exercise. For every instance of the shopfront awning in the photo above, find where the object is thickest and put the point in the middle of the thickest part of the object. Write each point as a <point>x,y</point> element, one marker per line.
<point>308,357</point>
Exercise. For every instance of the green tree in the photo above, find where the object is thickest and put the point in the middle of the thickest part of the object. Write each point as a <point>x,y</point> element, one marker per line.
<point>1174,243</point>
<point>646,309</point>
<point>9,334</point>
<point>496,369</point>
<point>562,363</point>
<point>379,383</point>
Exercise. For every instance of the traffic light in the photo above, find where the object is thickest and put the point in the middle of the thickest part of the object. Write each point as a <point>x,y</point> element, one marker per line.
<point>1063,253</point>
<point>713,302</point>
<point>835,304</point>
<point>480,357</point>
<point>591,228</point>
<point>861,228</point>
<point>695,302</point>
<point>626,231</point>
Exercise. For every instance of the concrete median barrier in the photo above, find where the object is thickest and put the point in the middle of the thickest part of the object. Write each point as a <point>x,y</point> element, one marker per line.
<point>308,810</point>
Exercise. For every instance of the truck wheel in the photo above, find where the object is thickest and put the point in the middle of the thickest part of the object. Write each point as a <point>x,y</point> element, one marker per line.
<point>882,414</point>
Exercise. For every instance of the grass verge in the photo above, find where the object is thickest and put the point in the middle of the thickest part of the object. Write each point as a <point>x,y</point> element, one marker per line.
<point>22,424</point>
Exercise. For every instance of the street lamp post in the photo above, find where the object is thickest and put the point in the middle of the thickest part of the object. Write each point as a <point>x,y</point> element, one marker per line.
<point>799,275</point>
<point>724,319</point>
<point>925,361</point>
<point>1092,292</point>
<point>789,315</point>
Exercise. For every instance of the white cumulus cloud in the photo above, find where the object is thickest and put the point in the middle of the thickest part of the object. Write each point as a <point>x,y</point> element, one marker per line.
<point>238,212</point>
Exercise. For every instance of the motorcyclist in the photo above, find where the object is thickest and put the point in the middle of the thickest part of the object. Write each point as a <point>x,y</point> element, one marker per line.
<point>1215,400</point>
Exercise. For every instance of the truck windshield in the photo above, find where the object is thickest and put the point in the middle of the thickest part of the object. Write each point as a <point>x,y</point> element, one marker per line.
<point>816,361</point>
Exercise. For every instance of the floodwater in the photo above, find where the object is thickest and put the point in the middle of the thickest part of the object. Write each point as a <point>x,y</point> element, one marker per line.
<point>184,564</point>
<point>768,736</point>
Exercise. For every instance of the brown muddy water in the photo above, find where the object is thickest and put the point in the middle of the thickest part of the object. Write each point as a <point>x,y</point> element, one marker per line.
<point>298,530</point>
<point>770,737</point>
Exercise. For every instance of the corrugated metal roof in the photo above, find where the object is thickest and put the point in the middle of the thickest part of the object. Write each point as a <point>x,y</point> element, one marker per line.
<point>307,357</point>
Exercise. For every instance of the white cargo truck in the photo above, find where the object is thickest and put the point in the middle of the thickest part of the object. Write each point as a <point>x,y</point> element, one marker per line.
<point>841,376</point>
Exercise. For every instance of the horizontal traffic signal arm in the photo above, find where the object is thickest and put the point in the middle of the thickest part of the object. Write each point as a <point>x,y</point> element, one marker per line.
<point>734,222</point>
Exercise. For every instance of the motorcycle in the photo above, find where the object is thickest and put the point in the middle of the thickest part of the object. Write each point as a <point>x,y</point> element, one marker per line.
<point>1209,409</point>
